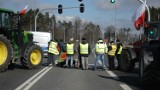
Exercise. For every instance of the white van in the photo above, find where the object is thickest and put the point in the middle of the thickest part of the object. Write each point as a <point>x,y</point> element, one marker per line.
<point>42,39</point>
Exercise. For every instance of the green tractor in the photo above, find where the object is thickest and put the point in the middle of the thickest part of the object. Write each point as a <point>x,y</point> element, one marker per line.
<point>16,44</point>
<point>146,52</point>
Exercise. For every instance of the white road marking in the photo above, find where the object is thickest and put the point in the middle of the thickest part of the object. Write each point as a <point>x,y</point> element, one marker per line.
<point>30,80</point>
<point>114,76</point>
<point>125,86</point>
<point>35,80</point>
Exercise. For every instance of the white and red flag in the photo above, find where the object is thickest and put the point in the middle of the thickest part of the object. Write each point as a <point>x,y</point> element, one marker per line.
<point>24,10</point>
<point>139,16</point>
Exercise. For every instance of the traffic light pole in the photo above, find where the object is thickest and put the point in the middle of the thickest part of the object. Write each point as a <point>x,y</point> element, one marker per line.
<point>49,9</point>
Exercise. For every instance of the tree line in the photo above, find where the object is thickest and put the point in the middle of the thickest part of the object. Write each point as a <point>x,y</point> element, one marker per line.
<point>61,29</point>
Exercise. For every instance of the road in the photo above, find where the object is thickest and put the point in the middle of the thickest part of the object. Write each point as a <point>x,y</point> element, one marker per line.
<point>58,78</point>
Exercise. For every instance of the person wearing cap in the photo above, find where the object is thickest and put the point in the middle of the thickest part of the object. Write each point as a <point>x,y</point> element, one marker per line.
<point>111,54</point>
<point>118,52</point>
<point>70,52</point>
<point>84,51</point>
<point>100,51</point>
<point>52,50</point>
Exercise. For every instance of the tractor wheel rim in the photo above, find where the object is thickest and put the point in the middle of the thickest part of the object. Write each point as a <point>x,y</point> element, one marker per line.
<point>3,53</point>
<point>35,57</point>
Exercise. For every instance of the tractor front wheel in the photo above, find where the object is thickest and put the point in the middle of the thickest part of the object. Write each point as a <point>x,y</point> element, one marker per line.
<point>126,63</point>
<point>33,57</point>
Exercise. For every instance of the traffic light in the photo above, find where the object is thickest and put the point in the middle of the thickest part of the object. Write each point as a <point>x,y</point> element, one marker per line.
<point>151,32</point>
<point>80,0</point>
<point>81,8</point>
<point>60,9</point>
<point>112,1</point>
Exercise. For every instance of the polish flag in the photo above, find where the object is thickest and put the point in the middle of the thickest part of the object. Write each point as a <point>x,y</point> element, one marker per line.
<point>23,11</point>
<point>139,16</point>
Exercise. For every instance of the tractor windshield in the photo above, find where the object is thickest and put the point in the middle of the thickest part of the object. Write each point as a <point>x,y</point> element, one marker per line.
<point>7,20</point>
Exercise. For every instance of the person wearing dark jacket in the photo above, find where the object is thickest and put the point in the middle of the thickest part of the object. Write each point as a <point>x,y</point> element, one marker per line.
<point>84,51</point>
<point>118,52</point>
<point>111,55</point>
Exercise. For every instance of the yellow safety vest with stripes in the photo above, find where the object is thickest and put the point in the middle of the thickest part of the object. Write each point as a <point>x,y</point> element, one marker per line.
<point>84,48</point>
<point>100,48</point>
<point>113,51</point>
<point>120,50</point>
<point>53,48</point>
<point>70,48</point>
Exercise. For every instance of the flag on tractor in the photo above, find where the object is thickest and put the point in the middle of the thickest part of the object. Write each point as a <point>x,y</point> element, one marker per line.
<point>139,16</point>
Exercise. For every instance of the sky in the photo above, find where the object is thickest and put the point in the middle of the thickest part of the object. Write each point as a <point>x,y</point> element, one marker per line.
<point>100,12</point>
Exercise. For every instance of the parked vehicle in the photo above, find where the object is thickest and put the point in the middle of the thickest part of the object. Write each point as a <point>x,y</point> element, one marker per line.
<point>42,39</point>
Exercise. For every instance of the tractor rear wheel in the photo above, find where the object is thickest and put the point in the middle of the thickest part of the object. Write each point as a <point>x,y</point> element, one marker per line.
<point>149,70</point>
<point>33,57</point>
<point>6,53</point>
<point>126,63</point>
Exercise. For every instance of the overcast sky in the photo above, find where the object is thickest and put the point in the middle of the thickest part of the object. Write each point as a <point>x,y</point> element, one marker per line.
<point>100,12</point>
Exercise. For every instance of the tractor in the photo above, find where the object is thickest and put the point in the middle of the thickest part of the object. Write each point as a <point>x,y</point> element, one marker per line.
<point>16,45</point>
<point>146,52</point>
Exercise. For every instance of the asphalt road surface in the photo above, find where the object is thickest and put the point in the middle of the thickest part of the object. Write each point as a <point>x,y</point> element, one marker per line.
<point>58,78</point>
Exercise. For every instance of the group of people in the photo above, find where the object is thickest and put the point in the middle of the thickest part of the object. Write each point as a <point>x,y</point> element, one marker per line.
<point>83,50</point>
<point>111,50</point>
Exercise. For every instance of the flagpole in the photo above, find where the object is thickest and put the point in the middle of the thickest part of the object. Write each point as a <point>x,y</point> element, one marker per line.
<point>149,16</point>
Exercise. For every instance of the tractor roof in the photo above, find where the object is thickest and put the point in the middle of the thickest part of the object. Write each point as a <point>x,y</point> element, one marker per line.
<point>6,10</point>
<point>153,22</point>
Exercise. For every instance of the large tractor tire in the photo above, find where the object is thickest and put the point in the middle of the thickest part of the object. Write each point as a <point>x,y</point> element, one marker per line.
<point>6,53</point>
<point>149,69</point>
<point>33,57</point>
<point>126,63</point>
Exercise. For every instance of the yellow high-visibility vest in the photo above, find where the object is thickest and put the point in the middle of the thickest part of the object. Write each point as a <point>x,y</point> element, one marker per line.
<point>120,50</point>
<point>100,48</point>
<point>84,48</point>
<point>113,51</point>
<point>70,48</point>
<point>53,48</point>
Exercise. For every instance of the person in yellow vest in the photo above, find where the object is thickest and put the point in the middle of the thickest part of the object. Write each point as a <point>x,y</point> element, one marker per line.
<point>84,51</point>
<point>70,52</point>
<point>52,50</point>
<point>100,51</point>
<point>111,55</point>
<point>118,52</point>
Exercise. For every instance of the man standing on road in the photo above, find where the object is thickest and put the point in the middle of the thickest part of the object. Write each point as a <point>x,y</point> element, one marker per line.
<point>52,50</point>
<point>118,52</point>
<point>70,52</point>
<point>111,54</point>
<point>84,51</point>
<point>100,51</point>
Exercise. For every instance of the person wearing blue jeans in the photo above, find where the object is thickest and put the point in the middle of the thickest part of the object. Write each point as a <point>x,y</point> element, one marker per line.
<point>100,51</point>
<point>99,57</point>
<point>70,52</point>
<point>71,61</point>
